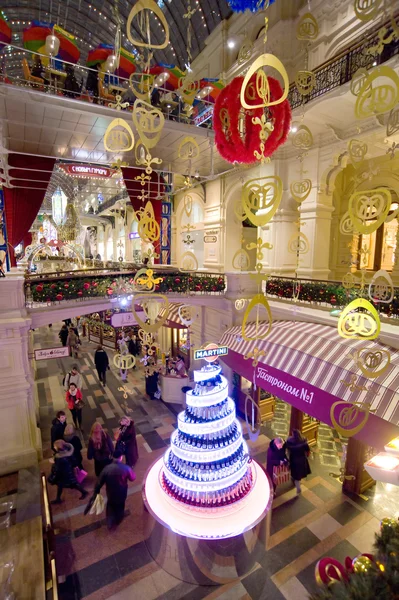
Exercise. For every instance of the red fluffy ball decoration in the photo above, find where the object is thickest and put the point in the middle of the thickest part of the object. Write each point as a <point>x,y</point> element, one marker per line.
<point>231,144</point>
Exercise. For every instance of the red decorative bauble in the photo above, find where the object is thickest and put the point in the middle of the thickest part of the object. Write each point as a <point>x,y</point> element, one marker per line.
<point>80,293</point>
<point>198,287</point>
<point>177,280</point>
<point>53,286</point>
<point>110,291</point>
<point>39,288</point>
<point>59,297</point>
<point>86,286</point>
<point>95,284</point>
<point>66,285</point>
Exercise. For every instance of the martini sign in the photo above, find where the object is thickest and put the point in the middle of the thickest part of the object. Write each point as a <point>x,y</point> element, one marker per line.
<point>211,352</point>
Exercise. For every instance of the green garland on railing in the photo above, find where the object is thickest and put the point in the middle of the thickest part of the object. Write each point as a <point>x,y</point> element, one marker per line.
<point>80,288</point>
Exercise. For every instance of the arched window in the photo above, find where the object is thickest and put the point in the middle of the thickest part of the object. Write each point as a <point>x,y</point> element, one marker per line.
<point>377,250</point>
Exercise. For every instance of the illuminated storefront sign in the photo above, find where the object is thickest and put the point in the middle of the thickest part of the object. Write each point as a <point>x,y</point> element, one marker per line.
<point>87,171</point>
<point>211,352</point>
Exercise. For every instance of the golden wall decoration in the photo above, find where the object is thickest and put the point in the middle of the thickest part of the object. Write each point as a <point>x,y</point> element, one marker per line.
<point>188,149</point>
<point>245,51</point>
<point>382,98</point>
<point>366,10</point>
<point>256,355</point>
<point>188,88</point>
<point>124,361</point>
<point>393,122</point>
<point>239,210</point>
<point>240,303</point>
<point>144,87</point>
<point>307,28</point>
<point>349,281</point>
<point>262,85</point>
<point>305,82</point>
<point>149,122</point>
<point>381,288</point>
<point>300,190</point>
<point>262,194</point>
<point>372,363</point>
<point>298,243</point>
<point>118,136</point>
<point>368,209</point>
<point>348,416</point>
<point>188,204</point>
<point>188,262</point>
<point>303,138</point>
<point>357,81</point>
<point>257,301</point>
<point>146,7</point>
<point>357,150</point>
<point>153,305</point>
<point>241,260</point>
<point>356,325</point>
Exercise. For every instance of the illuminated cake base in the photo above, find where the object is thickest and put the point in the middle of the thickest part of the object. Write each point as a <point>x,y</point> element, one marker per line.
<point>207,546</point>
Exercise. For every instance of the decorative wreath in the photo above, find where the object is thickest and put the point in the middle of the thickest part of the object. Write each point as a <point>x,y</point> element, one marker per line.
<point>231,144</point>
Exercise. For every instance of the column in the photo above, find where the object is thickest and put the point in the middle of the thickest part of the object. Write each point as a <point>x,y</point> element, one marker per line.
<point>356,456</point>
<point>316,226</point>
<point>20,437</point>
<point>296,419</point>
<point>278,260</point>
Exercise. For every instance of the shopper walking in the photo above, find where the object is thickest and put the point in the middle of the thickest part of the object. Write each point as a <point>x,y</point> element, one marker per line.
<point>299,451</point>
<point>75,405</point>
<point>276,457</point>
<point>71,438</point>
<point>63,335</point>
<point>126,441</point>
<point>73,342</point>
<point>73,377</point>
<point>62,473</point>
<point>102,364</point>
<point>100,448</point>
<point>115,477</point>
<point>58,427</point>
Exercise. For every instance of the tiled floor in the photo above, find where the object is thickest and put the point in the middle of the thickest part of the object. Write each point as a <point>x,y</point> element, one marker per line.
<point>95,564</point>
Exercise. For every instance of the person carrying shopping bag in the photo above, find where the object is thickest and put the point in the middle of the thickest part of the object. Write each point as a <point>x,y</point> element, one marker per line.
<point>75,405</point>
<point>63,472</point>
<point>299,451</point>
<point>276,458</point>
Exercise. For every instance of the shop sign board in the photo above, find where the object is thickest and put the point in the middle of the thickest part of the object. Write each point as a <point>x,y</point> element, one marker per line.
<point>204,116</point>
<point>124,319</point>
<point>211,352</point>
<point>210,239</point>
<point>87,171</point>
<point>46,353</point>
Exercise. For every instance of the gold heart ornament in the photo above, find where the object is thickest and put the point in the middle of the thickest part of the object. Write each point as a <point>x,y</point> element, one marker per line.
<point>303,138</point>
<point>347,417</point>
<point>188,204</point>
<point>382,98</point>
<point>240,303</point>
<point>188,149</point>
<point>307,28</point>
<point>149,122</point>
<point>144,87</point>
<point>257,301</point>
<point>262,86</point>
<point>356,325</point>
<point>153,305</point>
<point>298,243</point>
<point>365,10</point>
<point>300,190</point>
<point>143,24</point>
<point>241,260</point>
<point>188,314</point>
<point>261,198</point>
<point>369,209</point>
<point>381,287</point>
<point>357,81</point>
<point>357,150</point>
<point>188,88</point>
<point>305,82</point>
<point>188,263</point>
<point>119,136</point>
<point>372,363</point>
<point>148,228</point>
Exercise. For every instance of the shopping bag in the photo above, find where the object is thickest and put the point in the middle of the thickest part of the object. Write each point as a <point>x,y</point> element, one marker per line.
<point>281,474</point>
<point>98,505</point>
<point>80,474</point>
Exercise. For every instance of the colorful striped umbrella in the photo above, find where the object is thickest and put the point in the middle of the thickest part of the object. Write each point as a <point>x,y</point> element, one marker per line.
<point>99,55</point>
<point>68,49</point>
<point>127,64</point>
<point>172,82</point>
<point>34,40</point>
<point>213,93</point>
<point>5,31</point>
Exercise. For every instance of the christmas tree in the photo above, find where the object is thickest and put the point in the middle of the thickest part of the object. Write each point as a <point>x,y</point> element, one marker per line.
<point>207,464</point>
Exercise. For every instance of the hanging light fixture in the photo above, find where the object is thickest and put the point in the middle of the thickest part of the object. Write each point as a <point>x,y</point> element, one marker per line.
<point>111,63</point>
<point>52,45</point>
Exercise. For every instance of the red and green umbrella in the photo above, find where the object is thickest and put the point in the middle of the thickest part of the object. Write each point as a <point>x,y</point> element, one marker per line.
<point>69,52</point>
<point>99,55</point>
<point>127,64</point>
<point>5,31</point>
<point>172,82</point>
<point>34,40</point>
<point>215,87</point>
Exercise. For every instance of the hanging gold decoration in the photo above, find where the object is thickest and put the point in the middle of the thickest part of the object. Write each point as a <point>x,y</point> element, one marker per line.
<point>368,209</point>
<point>357,150</point>
<point>142,178</point>
<point>240,303</point>
<point>349,281</point>
<point>259,246</point>
<point>256,355</point>
<point>143,88</point>
<point>147,280</point>
<point>307,28</point>
<point>145,337</point>
<point>188,314</point>
<point>125,393</point>
<point>382,98</point>
<point>188,88</point>
<point>188,149</point>
<point>303,138</point>
<point>124,361</point>
<point>241,260</point>
<point>262,85</point>
<point>118,105</point>
<point>381,288</point>
<point>393,122</point>
<point>257,301</point>
<point>148,228</point>
<point>119,136</point>
<point>348,416</point>
<point>383,39</point>
<point>263,194</point>
<point>140,281</point>
<point>266,128</point>
<point>372,363</point>
<point>358,80</point>
<point>153,305</point>
<point>239,210</point>
<point>366,10</point>
<point>188,204</point>
<point>149,122</point>
<point>147,7</point>
<point>345,224</point>
<point>305,82</point>
<point>190,12</point>
<point>245,52</point>
<point>298,243</point>
<point>188,263</point>
<point>144,158</point>
<point>356,325</point>
<point>300,190</point>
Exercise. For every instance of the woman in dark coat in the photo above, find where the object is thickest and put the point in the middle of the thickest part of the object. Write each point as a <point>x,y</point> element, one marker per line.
<point>299,450</point>
<point>71,438</point>
<point>100,448</point>
<point>63,335</point>
<point>58,427</point>
<point>102,363</point>
<point>62,473</point>
<point>276,456</point>
<point>126,441</point>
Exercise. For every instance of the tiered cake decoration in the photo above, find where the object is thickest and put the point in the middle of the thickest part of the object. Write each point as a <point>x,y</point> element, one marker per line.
<point>207,464</point>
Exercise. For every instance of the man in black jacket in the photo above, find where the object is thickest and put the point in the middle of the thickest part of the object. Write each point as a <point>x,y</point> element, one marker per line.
<point>58,427</point>
<point>101,361</point>
<point>115,476</point>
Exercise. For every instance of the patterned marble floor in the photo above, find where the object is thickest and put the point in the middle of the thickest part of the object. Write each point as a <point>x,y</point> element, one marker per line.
<point>97,565</point>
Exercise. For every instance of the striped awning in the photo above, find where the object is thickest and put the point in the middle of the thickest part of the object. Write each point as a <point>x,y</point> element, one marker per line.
<point>316,354</point>
<point>173,321</point>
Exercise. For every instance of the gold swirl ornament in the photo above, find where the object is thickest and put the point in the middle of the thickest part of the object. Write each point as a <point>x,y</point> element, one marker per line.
<point>372,363</point>
<point>262,86</point>
<point>148,228</point>
<point>261,198</point>
<point>307,28</point>
<point>146,280</point>
<point>149,122</point>
<point>298,243</point>
<point>188,88</point>
<point>382,98</point>
<point>188,149</point>
<point>303,138</point>
<point>240,303</point>
<point>124,361</point>
<point>257,301</point>
<point>357,150</point>
<point>356,325</point>
<point>153,9</point>
<point>153,305</point>
<point>345,224</point>
<point>347,417</point>
<point>358,80</point>
<point>300,190</point>
<point>393,121</point>
<point>118,136</point>
<point>188,314</point>
<point>188,204</point>
<point>381,288</point>
<point>366,10</point>
<point>368,209</point>
<point>143,88</point>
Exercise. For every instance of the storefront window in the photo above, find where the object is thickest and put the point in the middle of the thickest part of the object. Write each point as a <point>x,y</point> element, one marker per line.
<point>377,250</point>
